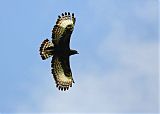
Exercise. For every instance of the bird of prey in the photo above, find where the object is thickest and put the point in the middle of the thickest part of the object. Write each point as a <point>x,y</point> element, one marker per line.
<point>59,49</point>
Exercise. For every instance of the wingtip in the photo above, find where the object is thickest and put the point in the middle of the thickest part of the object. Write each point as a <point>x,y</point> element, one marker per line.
<point>63,87</point>
<point>59,16</point>
<point>72,14</point>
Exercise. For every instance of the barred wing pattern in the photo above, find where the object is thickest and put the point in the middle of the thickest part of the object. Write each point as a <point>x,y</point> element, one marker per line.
<point>59,29</point>
<point>62,72</point>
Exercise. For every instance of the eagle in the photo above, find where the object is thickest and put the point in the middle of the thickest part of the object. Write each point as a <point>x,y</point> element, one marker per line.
<point>59,49</point>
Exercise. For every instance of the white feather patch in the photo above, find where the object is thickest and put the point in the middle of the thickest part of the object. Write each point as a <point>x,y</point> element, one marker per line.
<point>65,23</point>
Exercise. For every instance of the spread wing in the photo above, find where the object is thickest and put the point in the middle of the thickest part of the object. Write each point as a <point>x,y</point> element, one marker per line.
<point>63,29</point>
<point>62,72</point>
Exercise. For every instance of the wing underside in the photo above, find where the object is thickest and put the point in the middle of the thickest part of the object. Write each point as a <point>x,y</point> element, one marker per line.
<point>62,73</point>
<point>59,30</point>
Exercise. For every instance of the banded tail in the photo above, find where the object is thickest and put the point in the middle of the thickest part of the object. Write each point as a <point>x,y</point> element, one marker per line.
<point>46,49</point>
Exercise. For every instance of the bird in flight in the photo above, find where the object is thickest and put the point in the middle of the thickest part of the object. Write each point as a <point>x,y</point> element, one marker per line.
<point>59,49</point>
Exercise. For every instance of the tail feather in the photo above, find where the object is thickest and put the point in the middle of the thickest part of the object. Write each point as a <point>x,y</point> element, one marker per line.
<point>46,49</point>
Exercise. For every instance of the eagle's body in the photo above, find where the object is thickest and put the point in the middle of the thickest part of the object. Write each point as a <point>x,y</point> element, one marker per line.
<point>59,48</point>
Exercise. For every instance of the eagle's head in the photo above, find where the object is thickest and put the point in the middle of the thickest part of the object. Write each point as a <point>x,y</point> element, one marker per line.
<point>72,52</point>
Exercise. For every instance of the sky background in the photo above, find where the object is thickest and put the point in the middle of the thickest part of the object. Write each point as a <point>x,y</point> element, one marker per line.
<point>115,72</point>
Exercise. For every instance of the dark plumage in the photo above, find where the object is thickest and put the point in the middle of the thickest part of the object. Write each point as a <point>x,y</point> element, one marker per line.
<point>59,48</point>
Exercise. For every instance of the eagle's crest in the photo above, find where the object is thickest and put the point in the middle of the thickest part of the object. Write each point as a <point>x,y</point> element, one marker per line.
<point>60,50</point>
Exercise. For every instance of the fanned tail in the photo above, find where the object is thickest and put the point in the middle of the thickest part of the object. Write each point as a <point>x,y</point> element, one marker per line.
<point>46,49</point>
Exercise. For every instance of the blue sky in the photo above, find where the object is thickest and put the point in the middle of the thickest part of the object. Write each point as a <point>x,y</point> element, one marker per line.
<point>115,72</point>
